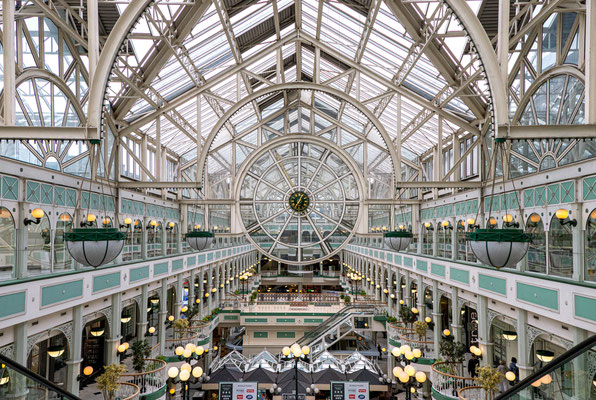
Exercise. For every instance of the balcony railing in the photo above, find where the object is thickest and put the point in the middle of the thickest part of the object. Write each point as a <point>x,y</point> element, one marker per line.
<point>470,393</point>
<point>447,379</point>
<point>413,340</point>
<point>128,391</point>
<point>150,381</point>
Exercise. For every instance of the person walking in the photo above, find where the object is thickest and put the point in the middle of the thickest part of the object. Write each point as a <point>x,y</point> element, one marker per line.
<point>472,365</point>
<point>502,368</point>
<point>513,367</point>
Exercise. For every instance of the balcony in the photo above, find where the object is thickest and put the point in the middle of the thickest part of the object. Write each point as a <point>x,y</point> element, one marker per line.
<point>447,379</point>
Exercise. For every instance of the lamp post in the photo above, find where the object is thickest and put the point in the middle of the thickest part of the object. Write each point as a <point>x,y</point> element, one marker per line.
<point>296,352</point>
<point>185,375</point>
<point>410,379</point>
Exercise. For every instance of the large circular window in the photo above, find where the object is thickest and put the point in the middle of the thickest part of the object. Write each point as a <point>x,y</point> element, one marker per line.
<point>299,200</point>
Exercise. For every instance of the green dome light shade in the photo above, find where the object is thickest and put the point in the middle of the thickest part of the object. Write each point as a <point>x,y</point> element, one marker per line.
<point>499,247</point>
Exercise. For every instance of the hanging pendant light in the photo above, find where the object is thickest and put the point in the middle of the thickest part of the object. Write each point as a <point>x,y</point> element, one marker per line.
<point>94,247</point>
<point>398,240</point>
<point>55,351</point>
<point>499,247</point>
<point>199,240</point>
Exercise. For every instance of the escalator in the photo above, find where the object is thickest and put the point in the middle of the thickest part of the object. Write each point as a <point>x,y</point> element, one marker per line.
<point>17,382</point>
<point>571,376</point>
<point>338,326</point>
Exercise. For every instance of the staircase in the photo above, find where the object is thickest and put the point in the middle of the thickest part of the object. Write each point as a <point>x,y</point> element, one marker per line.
<point>18,382</point>
<point>337,327</point>
<point>570,376</point>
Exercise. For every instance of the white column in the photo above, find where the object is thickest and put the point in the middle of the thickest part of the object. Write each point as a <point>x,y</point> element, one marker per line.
<point>8,25</point>
<point>115,329</point>
<point>590,62</point>
<point>73,364</point>
<point>436,318</point>
<point>142,320</point>
<point>161,320</point>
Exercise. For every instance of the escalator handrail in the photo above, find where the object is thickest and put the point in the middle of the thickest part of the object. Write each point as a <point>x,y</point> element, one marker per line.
<point>346,311</point>
<point>37,378</point>
<point>564,358</point>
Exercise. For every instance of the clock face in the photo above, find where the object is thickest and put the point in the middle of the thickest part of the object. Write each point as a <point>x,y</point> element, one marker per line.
<point>299,201</point>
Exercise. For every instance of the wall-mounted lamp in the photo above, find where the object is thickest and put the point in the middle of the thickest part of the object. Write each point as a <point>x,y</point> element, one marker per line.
<point>472,224</point>
<point>509,222</point>
<point>37,214</point>
<point>534,220</point>
<point>127,222</point>
<point>87,371</point>
<point>170,226</point>
<point>152,224</point>
<point>492,223</point>
<point>563,217</point>
<point>89,220</point>
<point>106,222</point>
<point>429,226</point>
<point>446,225</point>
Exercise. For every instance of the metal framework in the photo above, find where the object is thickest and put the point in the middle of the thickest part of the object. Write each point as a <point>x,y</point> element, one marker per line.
<point>413,91</point>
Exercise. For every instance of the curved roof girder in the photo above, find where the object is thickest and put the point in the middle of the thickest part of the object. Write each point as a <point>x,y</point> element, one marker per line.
<point>468,19</point>
<point>296,86</point>
<point>498,90</point>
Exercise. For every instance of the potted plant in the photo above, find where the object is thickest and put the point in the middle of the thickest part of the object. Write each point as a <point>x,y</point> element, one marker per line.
<point>406,315</point>
<point>488,379</point>
<point>420,327</point>
<point>108,382</point>
<point>141,350</point>
<point>452,351</point>
<point>347,299</point>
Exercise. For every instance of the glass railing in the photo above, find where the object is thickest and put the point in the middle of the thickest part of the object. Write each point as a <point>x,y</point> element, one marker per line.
<point>17,382</point>
<point>570,376</point>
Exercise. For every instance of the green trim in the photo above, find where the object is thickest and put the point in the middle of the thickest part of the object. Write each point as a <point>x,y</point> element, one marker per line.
<point>260,335</point>
<point>398,234</point>
<point>177,264</point>
<point>544,297</point>
<point>286,320</point>
<point>498,235</point>
<point>313,320</point>
<point>256,320</point>
<point>438,396</point>
<point>426,361</point>
<point>137,274</point>
<point>12,304</point>
<point>94,234</point>
<point>459,275</point>
<point>421,265</point>
<point>161,268</point>
<point>106,281</point>
<point>157,394</point>
<point>585,307</point>
<point>288,314</point>
<point>230,318</point>
<point>200,234</point>
<point>393,342</point>
<point>286,335</point>
<point>476,266</point>
<point>437,269</point>
<point>61,292</point>
<point>492,284</point>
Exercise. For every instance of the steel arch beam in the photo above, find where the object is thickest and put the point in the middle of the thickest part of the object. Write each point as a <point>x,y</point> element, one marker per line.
<point>108,54</point>
<point>488,57</point>
<point>296,86</point>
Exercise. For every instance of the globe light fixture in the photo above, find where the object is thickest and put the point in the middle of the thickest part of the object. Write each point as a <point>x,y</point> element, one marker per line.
<point>96,332</point>
<point>545,355</point>
<point>563,217</point>
<point>427,320</point>
<point>125,318</point>
<point>509,335</point>
<point>446,332</point>
<point>151,330</point>
<point>510,376</point>
<point>88,370</point>
<point>173,372</point>
<point>55,351</point>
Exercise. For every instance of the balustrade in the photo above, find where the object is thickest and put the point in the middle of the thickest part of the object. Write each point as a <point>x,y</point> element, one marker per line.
<point>150,381</point>
<point>447,379</point>
<point>128,391</point>
<point>470,393</point>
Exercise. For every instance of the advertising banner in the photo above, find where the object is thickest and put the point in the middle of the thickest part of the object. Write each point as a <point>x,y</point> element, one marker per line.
<point>349,391</point>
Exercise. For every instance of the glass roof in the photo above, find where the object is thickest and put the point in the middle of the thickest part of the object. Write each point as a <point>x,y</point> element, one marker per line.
<point>232,49</point>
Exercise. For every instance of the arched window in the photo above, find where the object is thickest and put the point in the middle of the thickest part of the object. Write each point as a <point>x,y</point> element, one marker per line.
<point>39,247</point>
<point>560,249</point>
<point>460,235</point>
<point>590,251</point>
<point>557,98</point>
<point>427,239</point>
<point>7,244</point>
<point>445,240</point>
<point>62,258</point>
<point>537,248</point>
<point>172,234</point>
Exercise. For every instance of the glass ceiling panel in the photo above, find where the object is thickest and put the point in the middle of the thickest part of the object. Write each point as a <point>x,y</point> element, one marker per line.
<point>205,54</point>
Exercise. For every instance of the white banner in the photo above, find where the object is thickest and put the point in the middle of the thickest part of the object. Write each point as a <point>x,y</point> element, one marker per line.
<point>349,391</point>
<point>244,391</point>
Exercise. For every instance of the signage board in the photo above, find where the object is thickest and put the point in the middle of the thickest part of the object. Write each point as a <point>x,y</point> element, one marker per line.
<point>350,391</point>
<point>238,391</point>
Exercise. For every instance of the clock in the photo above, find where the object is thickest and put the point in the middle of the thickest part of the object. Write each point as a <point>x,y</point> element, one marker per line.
<point>299,201</point>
